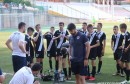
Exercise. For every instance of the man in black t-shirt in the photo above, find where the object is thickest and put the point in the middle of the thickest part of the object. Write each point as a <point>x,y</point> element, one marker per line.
<point>39,47</point>
<point>94,43</point>
<point>29,46</point>
<point>100,49</point>
<point>116,45</point>
<point>61,36</point>
<point>126,53</point>
<point>51,45</point>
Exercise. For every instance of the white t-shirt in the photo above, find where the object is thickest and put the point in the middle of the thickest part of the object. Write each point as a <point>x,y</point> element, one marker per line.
<point>15,38</point>
<point>23,76</point>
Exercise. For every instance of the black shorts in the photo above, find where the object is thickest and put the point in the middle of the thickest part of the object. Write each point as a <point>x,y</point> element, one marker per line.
<point>32,53</point>
<point>99,51</point>
<point>18,62</point>
<point>65,55</point>
<point>117,55</point>
<point>39,54</point>
<point>58,51</point>
<point>51,53</point>
<point>126,56</point>
<point>92,55</point>
<point>79,68</point>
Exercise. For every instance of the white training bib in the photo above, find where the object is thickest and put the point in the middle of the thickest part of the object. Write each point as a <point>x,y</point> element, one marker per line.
<point>101,33</point>
<point>91,38</point>
<point>117,41</point>
<point>61,39</point>
<point>40,46</point>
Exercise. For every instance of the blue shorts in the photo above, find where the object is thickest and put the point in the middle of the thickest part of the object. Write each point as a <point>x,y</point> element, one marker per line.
<point>0,72</point>
<point>18,62</point>
<point>79,68</point>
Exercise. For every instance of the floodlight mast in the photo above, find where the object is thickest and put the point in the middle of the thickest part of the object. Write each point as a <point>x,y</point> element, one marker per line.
<point>112,9</point>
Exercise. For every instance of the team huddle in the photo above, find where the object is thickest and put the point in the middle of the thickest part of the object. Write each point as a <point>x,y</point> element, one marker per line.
<point>78,48</point>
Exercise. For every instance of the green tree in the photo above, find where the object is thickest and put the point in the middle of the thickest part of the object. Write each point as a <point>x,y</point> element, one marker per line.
<point>7,1</point>
<point>27,3</point>
<point>17,1</point>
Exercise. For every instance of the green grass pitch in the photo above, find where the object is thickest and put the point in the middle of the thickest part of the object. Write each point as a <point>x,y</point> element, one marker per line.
<point>108,67</point>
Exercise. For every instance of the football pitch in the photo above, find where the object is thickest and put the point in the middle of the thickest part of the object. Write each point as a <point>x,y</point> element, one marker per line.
<point>108,68</point>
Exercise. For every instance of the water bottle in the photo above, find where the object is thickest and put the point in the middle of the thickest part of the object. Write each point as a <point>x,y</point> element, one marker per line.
<point>62,76</point>
<point>56,76</point>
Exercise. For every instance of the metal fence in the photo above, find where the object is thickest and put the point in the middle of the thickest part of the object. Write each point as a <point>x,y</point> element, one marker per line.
<point>9,19</point>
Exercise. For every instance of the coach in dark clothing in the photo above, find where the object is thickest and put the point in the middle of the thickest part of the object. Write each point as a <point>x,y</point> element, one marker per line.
<point>79,52</point>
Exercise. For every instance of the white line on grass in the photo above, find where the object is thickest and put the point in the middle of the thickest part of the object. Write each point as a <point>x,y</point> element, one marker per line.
<point>71,81</point>
<point>8,74</point>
